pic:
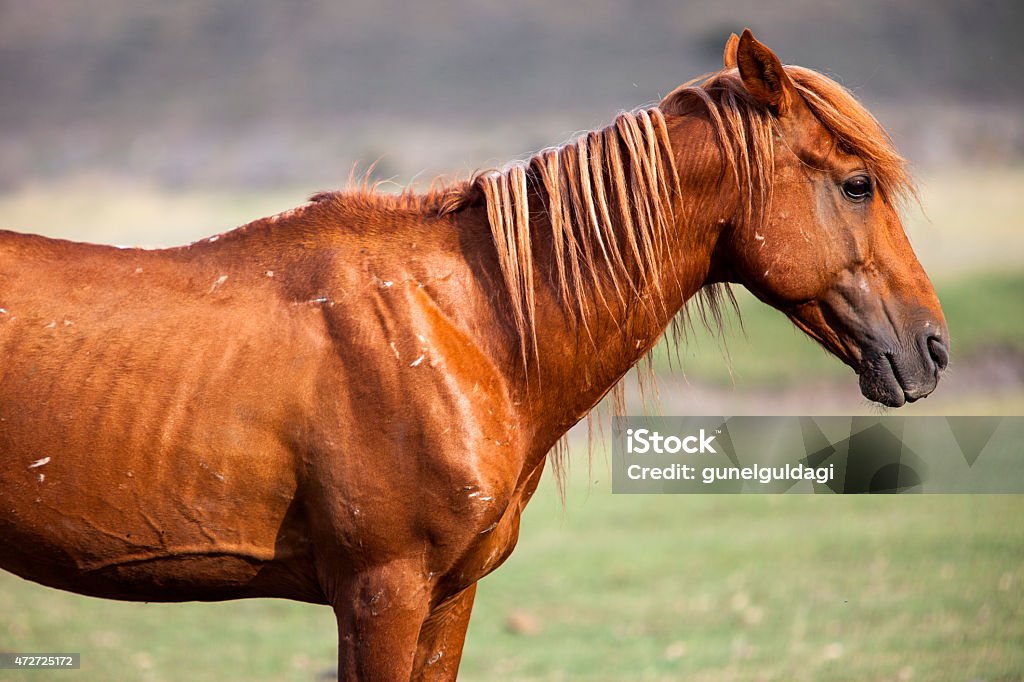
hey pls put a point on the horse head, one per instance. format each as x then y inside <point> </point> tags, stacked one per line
<point>813,227</point>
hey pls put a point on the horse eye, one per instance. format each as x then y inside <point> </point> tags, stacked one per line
<point>857,188</point>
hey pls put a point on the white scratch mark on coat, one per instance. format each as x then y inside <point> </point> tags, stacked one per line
<point>374,601</point>
<point>269,273</point>
<point>220,280</point>
<point>394,349</point>
<point>39,463</point>
<point>424,349</point>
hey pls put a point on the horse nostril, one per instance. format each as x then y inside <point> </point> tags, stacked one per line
<point>939,351</point>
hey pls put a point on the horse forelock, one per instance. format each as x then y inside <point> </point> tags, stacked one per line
<point>746,130</point>
<point>857,130</point>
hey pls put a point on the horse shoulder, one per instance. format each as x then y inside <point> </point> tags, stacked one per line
<point>419,408</point>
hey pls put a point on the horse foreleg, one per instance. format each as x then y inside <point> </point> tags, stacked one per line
<point>442,636</point>
<point>380,613</point>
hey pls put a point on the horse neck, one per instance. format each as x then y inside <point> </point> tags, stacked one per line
<point>584,347</point>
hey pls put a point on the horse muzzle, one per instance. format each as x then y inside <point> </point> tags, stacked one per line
<point>904,373</point>
<point>898,352</point>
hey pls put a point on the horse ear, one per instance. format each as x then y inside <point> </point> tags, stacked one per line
<point>729,58</point>
<point>763,75</point>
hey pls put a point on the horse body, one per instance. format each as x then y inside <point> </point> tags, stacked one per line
<point>245,417</point>
<point>280,352</point>
<point>351,403</point>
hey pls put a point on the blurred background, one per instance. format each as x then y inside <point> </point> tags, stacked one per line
<point>154,124</point>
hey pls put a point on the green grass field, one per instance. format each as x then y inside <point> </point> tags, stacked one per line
<point>757,588</point>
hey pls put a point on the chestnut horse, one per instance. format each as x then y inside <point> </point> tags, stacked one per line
<point>352,402</point>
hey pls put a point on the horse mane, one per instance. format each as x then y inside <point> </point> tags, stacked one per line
<point>622,175</point>
<point>442,197</point>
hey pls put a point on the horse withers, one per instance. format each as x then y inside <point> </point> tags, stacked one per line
<point>352,402</point>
